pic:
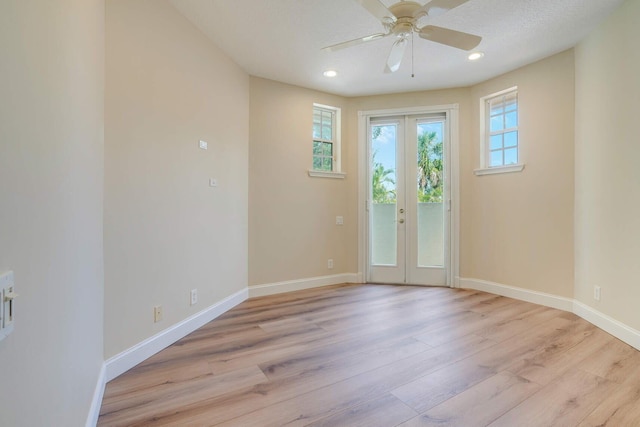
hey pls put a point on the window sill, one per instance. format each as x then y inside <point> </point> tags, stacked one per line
<point>324,174</point>
<point>501,169</point>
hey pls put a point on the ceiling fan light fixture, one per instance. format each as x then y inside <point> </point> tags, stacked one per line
<point>330,73</point>
<point>474,56</point>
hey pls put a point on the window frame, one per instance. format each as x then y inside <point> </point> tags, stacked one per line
<point>485,135</point>
<point>336,126</point>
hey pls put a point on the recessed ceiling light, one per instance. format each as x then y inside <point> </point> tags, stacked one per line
<point>475,56</point>
<point>330,73</point>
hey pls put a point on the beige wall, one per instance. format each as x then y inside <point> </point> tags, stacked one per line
<point>607,174</point>
<point>517,228</point>
<point>51,168</point>
<point>292,225</point>
<point>166,230</point>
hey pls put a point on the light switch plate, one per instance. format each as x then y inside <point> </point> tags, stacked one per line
<point>204,145</point>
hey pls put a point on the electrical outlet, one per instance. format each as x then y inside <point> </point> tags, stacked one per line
<point>596,293</point>
<point>330,264</point>
<point>194,296</point>
<point>157,313</point>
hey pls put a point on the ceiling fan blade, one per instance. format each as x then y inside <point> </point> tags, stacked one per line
<point>377,9</point>
<point>453,38</point>
<point>355,42</point>
<point>396,55</point>
<point>438,7</point>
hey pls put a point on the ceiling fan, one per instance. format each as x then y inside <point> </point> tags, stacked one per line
<point>401,19</point>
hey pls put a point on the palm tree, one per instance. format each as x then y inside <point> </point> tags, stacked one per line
<point>429,168</point>
<point>380,180</point>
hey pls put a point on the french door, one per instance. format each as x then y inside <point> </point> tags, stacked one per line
<point>408,201</point>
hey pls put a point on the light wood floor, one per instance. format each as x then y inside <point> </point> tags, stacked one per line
<point>378,355</point>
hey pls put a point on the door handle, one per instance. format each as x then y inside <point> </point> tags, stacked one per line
<point>401,220</point>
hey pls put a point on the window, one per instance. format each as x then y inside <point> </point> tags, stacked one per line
<point>499,134</point>
<point>326,142</point>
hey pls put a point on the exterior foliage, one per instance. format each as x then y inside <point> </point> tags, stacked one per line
<point>429,168</point>
<point>380,179</point>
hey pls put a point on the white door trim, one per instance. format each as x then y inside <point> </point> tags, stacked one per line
<point>363,218</point>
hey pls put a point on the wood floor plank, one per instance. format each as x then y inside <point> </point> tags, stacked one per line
<point>480,404</point>
<point>375,355</point>
<point>613,360</point>
<point>270,395</point>
<point>509,327</point>
<point>296,363</point>
<point>139,405</point>
<point>565,402</point>
<point>549,337</point>
<point>430,390</point>
<point>491,304</point>
<point>256,353</point>
<point>356,390</point>
<point>148,376</point>
<point>383,411</point>
<point>545,366</point>
<point>620,408</point>
<point>309,302</point>
<point>397,309</point>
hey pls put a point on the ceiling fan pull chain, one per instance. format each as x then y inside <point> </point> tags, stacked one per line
<point>412,74</point>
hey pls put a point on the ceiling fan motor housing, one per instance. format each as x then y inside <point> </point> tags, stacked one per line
<point>407,9</point>
<point>406,14</point>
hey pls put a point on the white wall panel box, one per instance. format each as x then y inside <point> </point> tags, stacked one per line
<point>7,303</point>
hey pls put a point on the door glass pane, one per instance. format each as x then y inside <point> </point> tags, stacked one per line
<point>430,195</point>
<point>383,194</point>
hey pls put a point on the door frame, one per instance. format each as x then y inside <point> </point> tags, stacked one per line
<point>452,113</point>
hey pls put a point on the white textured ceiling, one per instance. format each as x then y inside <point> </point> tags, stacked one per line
<point>282,40</point>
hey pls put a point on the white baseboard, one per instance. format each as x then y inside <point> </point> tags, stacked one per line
<point>298,285</point>
<point>618,329</point>
<point>96,401</point>
<point>126,360</point>
<point>548,300</point>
